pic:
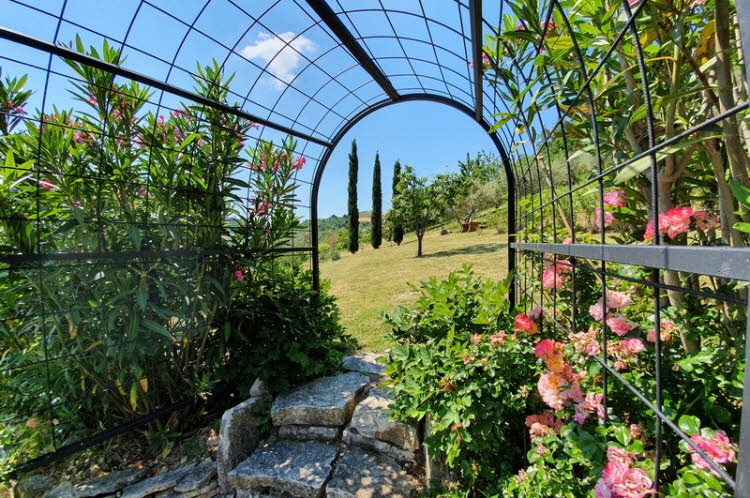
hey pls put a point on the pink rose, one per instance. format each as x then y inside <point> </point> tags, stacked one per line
<point>524,323</point>
<point>616,198</point>
<point>619,324</point>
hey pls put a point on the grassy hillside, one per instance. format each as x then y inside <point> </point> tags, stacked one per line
<point>371,281</point>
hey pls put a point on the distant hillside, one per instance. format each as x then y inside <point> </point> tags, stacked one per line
<point>335,222</point>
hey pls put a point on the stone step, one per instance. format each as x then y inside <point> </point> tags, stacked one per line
<point>284,469</point>
<point>361,474</point>
<point>365,363</point>
<point>328,401</point>
<point>372,428</point>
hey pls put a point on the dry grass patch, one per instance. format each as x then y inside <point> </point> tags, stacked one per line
<point>372,281</point>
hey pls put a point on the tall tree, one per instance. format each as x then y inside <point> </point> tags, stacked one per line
<point>353,209</point>
<point>417,204</point>
<point>398,229</point>
<point>376,229</point>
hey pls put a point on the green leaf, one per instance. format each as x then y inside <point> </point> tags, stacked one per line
<point>155,327</point>
<point>741,193</point>
<point>639,166</point>
<point>689,424</point>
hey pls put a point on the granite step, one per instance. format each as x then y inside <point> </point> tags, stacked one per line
<point>328,401</point>
<point>285,469</point>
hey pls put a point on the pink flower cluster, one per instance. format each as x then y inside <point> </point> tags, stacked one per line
<point>15,109</point>
<point>625,351</point>
<point>524,323</point>
<point>608,217</point>
<point>586,342</point>
<point>497,339</point>
<point>620,479</point>
<point>615,198</point>
<point>666,332</point>
<point>262,206</point>
<point>718,447</point>
<point>543,425</point>
<point>617,322</point>
<point>677,221</point>
<point>554,273</point>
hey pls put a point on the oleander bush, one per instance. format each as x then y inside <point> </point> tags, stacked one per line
<point>170,285</point>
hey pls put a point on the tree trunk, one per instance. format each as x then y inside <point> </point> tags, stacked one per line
<point>420,234</point>
<point>738,160</point>
<point>727,218</point>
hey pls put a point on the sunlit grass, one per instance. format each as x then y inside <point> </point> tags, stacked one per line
<point>372,281</point>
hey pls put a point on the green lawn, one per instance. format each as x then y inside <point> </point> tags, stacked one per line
<point>372,281</point>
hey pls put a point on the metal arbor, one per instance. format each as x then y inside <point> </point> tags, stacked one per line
<point>313,69</point>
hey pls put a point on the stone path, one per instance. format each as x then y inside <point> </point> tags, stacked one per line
<point>333,439</point>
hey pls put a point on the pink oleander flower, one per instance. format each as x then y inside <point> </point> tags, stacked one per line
<point>569,240</point>
<point>545,349</point>
<point>705,222</point>
<point>92,101</point>
<point>47,184</point>
<point>719,448</point>
<point>497,339</point>
<point>667,329</point>
<point>552,279</point>
<point>521,26</point>
<point>616,198</point>
<point>619,324</point>
<point>239,276</point>
<point>298,163</point>
<point>631,347</point>
<point>674,222</point>
<point>77,137</point>
<point>536,313</point>
<point>608,217</point>
<point>524,323</point>
<point>476,339</point>
<point>597,311</point>
<point>617,300</point>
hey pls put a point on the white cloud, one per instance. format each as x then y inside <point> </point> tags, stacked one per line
<point>282,54</point>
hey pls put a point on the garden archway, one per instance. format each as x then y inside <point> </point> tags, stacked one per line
<point>313,69</point>
<point>320,170</point>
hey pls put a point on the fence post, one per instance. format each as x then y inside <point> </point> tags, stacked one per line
<point>742,478</point>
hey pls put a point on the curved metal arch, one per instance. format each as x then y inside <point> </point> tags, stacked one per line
<point>413,97</point>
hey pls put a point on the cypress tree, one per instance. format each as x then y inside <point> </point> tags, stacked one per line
<point>353,209</point>
<point>376,233</point>
<point>398,230</point>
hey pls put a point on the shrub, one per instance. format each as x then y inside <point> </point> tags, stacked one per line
<point>457,359</point>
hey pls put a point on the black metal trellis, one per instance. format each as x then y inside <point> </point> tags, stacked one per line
<point>344,97</point>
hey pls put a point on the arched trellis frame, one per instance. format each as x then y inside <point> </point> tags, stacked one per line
<point>322,101</point>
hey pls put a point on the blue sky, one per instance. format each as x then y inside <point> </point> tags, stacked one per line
<point>431,137</point>
<point>281,58</point>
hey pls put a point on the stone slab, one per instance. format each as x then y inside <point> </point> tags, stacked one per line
<point>34,486</point>
<point>308,432</point>
<point>106,485</point>
<point>352,437</point>
<point>326,401</point>
<point>366,363</point>
<point>297,469</point>
<point>239,435</point>
<point>157,483</point>
<point>371,420</point>
<point>361,474</point>
<point>197,477</point>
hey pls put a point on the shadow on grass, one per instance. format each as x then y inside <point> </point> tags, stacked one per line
<point>477,249</point>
